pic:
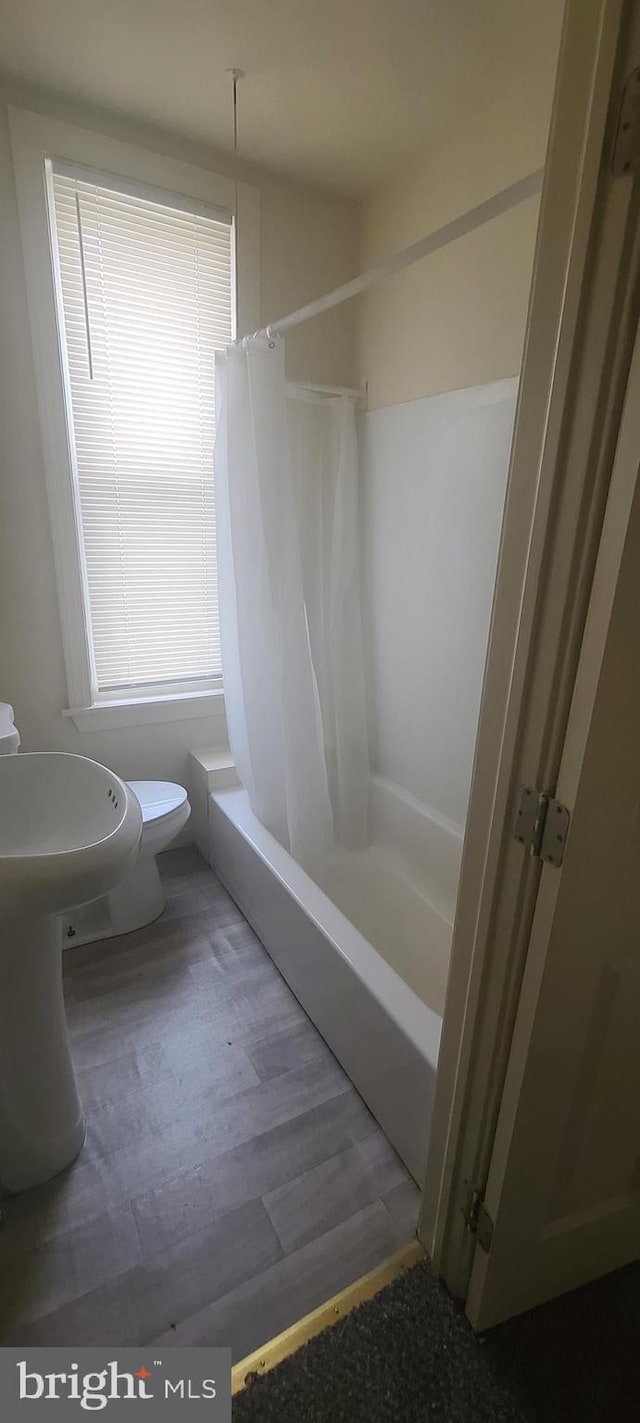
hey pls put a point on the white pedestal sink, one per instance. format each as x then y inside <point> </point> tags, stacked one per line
<point>69,831</point>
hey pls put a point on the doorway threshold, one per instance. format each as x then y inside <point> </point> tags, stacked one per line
<point>283,1345</point>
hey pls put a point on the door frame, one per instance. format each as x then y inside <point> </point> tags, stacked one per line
<point>580,332</point>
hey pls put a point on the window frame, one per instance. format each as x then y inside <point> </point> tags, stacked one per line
<point>37,142</point>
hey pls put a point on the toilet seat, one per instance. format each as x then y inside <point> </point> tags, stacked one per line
<point>165,809</point>
<point>158,798</point>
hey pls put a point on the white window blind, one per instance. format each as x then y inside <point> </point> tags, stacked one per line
<point>146,296</point>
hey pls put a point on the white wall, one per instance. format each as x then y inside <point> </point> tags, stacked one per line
<point>457,319</point>
<point>309,244</point>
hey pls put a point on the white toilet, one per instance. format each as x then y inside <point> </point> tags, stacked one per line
<point>139,898</point>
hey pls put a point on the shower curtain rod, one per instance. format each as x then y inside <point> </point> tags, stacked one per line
<point>501,202</point>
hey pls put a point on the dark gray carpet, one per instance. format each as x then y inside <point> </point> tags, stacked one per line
<point>409,1355</point>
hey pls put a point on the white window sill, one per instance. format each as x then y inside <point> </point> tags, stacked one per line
<point>141,711</point>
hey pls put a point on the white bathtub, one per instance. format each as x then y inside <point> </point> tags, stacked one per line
<point>367,953</point>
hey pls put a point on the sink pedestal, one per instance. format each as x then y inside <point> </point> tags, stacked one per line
<point>41,1122</point>
<point>69,832</point>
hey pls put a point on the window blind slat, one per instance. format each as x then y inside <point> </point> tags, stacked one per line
<point>158,289</point>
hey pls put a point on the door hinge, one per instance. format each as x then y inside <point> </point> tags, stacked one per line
<point>626,149</point>
<point>477,1218</point>
<point>541,824</point>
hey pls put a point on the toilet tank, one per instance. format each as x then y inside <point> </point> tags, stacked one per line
<point>9,734</point>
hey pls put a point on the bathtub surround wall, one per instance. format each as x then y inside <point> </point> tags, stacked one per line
<point>433,492</point>
<point>308,245</point>
<point>422,846</point>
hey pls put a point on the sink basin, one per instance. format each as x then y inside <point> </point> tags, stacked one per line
<point>69,832</point>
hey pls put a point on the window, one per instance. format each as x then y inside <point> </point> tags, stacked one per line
<point>130,267</point>
<point>145,299</point>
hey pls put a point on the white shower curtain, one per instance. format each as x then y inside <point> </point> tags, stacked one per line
<point>292,650</point>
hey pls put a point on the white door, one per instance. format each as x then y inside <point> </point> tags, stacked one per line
<point>563,1190</point>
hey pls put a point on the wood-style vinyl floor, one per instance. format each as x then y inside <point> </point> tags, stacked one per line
<point>232,1179</point>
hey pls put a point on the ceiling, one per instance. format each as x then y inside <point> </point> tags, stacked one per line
<point>337,92</point>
